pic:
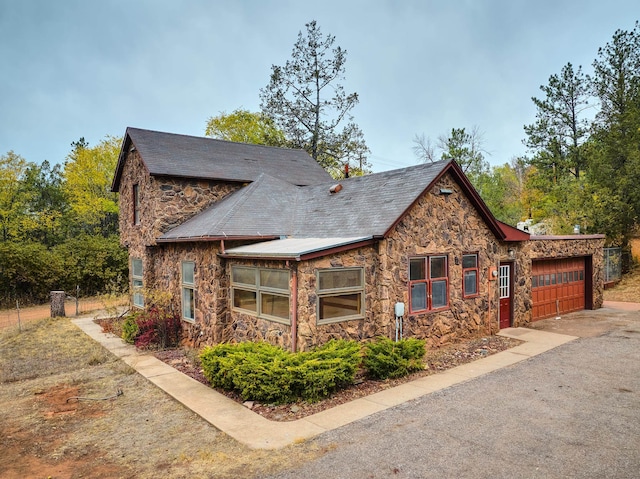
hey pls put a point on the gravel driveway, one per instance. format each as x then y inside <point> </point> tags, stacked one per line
<point>573,412</point>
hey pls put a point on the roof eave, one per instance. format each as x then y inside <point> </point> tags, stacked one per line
<point>197,239</point>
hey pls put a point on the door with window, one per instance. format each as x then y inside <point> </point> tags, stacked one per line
<point>505,286</point>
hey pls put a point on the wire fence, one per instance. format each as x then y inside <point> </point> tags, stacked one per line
<point>612,264</point>
<point>73,306</point>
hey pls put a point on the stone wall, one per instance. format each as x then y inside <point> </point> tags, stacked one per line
<point>211,287</point>
<point>442,225</point>
<point>164,202</point>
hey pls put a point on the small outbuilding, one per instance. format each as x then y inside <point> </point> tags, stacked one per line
<point>260,243</point>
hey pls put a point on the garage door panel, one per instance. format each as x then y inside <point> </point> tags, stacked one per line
<point>559,287</point>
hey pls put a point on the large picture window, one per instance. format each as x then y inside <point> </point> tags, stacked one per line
<point>470,275</point>
<point>428,283</point>
<point>340,294</point>
<point>138,284</point>
<point>188,291</point>
<point>261,292</point>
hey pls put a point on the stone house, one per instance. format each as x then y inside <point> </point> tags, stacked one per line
<point>260,243</point>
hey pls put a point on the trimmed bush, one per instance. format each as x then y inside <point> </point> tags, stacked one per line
<point>266,373</point>
<point>385,358</point>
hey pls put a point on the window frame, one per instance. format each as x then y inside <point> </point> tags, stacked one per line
<point>185,287</point>
<point>428,280</point>
<point>260,291</point>
<point>341,291</point>
<point>465,271</point>
<point>136,204</point>
<point>137,289</point>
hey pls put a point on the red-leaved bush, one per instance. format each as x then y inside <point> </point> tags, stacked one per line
<point>158,328</point>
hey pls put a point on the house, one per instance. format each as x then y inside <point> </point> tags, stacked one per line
<point>260,243</point>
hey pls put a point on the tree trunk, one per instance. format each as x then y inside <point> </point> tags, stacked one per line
<point>57,303</point>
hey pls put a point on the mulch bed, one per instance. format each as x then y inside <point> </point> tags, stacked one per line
<point>436,360</point>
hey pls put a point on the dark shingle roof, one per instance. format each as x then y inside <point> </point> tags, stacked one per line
<point>366,206</point>
<point>169,154</point>
<point>261,209</point>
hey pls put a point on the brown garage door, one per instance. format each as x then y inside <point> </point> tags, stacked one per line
<point>557,286</point>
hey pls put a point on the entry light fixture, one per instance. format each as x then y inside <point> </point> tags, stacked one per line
<point>512,253</point>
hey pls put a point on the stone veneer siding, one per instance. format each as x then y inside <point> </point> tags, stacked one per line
<point>164,203</point>
<point>441,225</point>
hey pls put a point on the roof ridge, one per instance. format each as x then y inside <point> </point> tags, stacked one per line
<point>208,138</point>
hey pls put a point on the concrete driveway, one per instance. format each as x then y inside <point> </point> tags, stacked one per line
<point>572,412</point>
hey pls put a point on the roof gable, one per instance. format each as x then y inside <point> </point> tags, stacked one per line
<point>169,154</point>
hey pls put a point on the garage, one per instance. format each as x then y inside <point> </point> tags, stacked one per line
<point>558,286</point>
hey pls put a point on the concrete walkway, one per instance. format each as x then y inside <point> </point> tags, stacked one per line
<point>258,432</point>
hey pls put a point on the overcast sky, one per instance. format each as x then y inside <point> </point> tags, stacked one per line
<point>90,68</point>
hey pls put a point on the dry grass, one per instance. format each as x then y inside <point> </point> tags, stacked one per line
<point>628,289</point>
<point>143,433</point>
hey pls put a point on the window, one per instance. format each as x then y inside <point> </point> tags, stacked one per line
<point>136,274</point>
<point>340,294</point>
<point>428,283</point>
<point>261,292</point>
<point>136,204</point>
<point>470,274</point>
<point>188,291</point>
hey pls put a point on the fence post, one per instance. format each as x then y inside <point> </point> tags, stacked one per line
<point>18,308</point>
<point>77,296</point>
<point>57,303</point>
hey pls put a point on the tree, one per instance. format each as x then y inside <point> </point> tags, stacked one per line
<point>614,173</point>
<point>14,199</point>
<point>244,126</point>
<point>466,148</point>
<point>87,184</point>
<point>560,129</point>
<point>307,102</point>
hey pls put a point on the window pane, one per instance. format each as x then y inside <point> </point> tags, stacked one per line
<point>547,280</point>
<point>333,307</point>
<point>581,275</point>
<point>274,305</point>
<point>244,299</point>
<point>187,272</point>
<point>438,267</point>
<point>136,266</point>
<point>275,278</point>
<point>565,278</point>
<point>417,269</point>
<point>188,303</point>
<point>470,282</point>
<point>243,275</point>
<point>418,296</point>
<point>339,279</point>
<point>438,294</point>
<point>534,282</point>
<point>470,261</point>
<point>138,300</point>
<point>553,278</point>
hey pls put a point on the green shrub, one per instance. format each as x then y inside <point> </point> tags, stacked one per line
<point>385,358</point>
<point>267,373</point>
<point>130,329</point>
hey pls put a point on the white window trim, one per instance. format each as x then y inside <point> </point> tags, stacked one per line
<point>137,291</point>
<point>192,287</point>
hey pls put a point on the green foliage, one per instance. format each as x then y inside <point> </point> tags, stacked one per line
<point>244,126</point>
<point>130,329</point>
<point>385,358</point>
<point>307,102</point>
<point>267,373</point>
<point>87,183</point>
<point>58,227</point>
